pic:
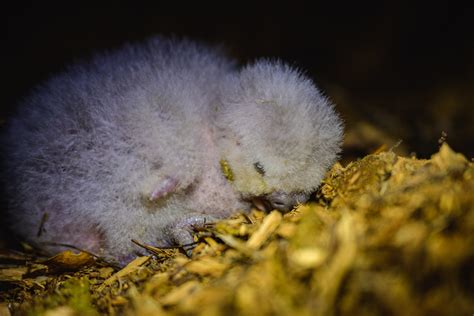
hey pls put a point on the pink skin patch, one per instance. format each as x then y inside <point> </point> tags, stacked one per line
<point>165,187</point>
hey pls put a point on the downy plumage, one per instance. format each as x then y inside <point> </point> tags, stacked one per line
<point>147,141</point>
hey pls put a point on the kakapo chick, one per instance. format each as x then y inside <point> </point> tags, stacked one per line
<point>151,140</point>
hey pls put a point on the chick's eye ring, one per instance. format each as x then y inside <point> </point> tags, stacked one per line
<point>258,166</point>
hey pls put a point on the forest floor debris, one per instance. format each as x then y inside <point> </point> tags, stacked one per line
<point>383,235</point>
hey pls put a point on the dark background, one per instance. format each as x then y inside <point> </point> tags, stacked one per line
<point>402,71</point>
<point>407,70</point>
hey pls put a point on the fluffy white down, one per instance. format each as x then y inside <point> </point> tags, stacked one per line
<point>91,145</point>
<point>273,115</point>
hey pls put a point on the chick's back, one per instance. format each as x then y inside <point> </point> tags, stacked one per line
<point>89,147</point>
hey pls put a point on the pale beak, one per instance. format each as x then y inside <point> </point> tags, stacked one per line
<point>281,201</point>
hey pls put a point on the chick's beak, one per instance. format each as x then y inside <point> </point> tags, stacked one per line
<point>281,201</point>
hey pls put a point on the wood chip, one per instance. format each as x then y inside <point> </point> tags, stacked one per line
<point>4,310</point>
<point>61,311</point>
<point>180,293</point>
<point>206,266</point>
<point>269,225</point>
<point>309,257</point>
<point>131,267</point>
<point>68,261</point>
<point>12,274</point>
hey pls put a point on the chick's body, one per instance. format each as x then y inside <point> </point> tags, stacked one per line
<point>130,146</point>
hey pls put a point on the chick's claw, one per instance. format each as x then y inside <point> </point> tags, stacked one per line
<point>181,231</point>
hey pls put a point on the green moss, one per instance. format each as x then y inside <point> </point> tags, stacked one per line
<point>73,293</point>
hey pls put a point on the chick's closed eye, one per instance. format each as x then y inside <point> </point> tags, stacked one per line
<point>259,167</point>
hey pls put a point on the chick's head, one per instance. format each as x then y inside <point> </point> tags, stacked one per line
<point>277,134</point>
